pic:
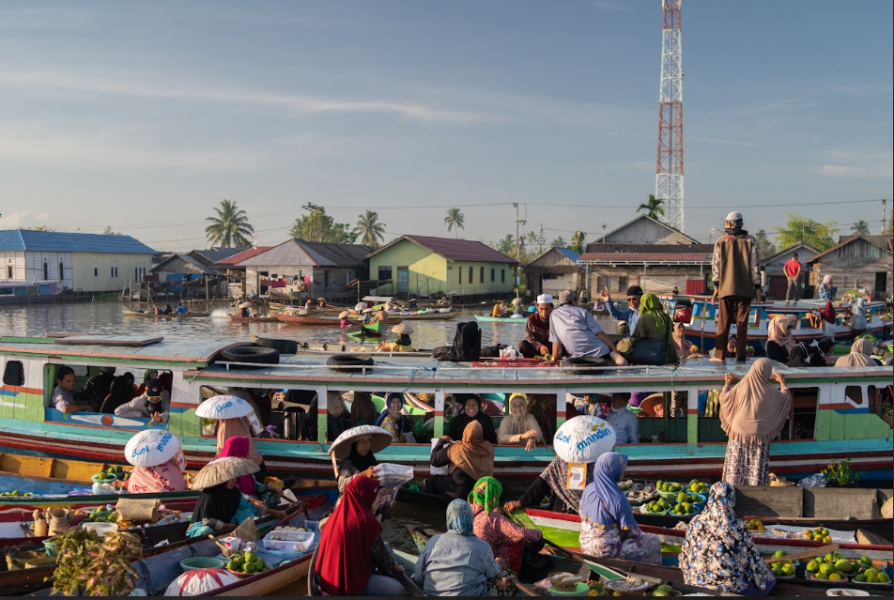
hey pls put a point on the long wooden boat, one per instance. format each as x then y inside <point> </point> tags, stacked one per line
<point>564,529</point>
<point>838,426</point>
<point>516,320</point>
<point>410,588</point>
<point>424,316</point>
<point>17,509</point>
<point>151,315</point>
<point>308,319</point>
<point>250,320</point>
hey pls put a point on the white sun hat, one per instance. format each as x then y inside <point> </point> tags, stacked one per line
<point>583,439</point>
<point>151,448</point>
<point>224,407</point>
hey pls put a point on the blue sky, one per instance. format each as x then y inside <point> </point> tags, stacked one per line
<point>143,116</point>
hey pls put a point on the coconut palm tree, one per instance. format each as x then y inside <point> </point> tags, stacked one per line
<point>230,228</point>
<point>506,245</point>
<point>559,242</point>
<point>861,227</point>
<point>369,230</point>
<point>577,241</point>
<point>454,221</point>
<point>653,208</point>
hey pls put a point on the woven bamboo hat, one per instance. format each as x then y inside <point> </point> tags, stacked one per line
<point>344,314</point>
<point>244,305</point>
<point>341,447</point>
<point>221,471</point>
<point>403,329</point>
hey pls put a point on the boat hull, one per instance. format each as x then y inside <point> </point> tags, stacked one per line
<point>250,320</point>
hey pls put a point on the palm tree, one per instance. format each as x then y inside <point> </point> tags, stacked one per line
<point>653,208</point>
<point>559,242</point>
<point>454,221</point>
<point>577,241</point>
<point>230,228</point>
<point>861,227</point>
<point>506,245</point>
<point>369,230</point>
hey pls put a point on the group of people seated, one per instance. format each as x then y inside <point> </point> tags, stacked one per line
<point>109,394</point>
<point>167,309</point>
<point>571,331</point>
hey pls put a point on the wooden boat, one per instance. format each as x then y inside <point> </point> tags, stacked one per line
<point>564,529</point>
<point>516,320</point>
<point>425,316</point>
<point>151,315</point>
<point>366,330</point>
<point>250,320</point>
<point>30,292</point>
<point>410,588</point>
<point>836,425</point>
<point>18,509</point>
<point>308,319</point>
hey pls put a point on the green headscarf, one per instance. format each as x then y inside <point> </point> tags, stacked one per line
<point>650,304</point>
<point>486,493</point>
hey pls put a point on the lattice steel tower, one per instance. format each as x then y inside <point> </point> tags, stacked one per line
<point>669,178</point>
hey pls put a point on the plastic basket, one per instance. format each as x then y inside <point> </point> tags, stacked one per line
<point>289,541</point>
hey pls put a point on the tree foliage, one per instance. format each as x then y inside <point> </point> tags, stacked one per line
<point>654,207</point>
<point>861,227</point>
<point>765,247</point>
<point>506,245</point>
<point>578,242</point>
<point>802,229</point>
<point>369,230</point>
<point>320,227</point>
<point>108,231</point>
<point>230,227</point>
<point>455,220</point>
<point>559,242</point>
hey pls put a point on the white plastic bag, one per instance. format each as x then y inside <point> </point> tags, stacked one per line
<point>391,475</point>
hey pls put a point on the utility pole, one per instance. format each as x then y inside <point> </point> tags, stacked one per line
<point>884,216</point>
<point>541,238</point>
<point>603,233</point>
<point>518,224</point>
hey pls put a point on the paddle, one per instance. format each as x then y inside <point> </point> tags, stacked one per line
<point>808,553</point>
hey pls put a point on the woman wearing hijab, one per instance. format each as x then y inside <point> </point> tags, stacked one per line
<point>543,408</point>
<point>552,484</point>
<point>338,419</point>
<point>239,427</point>
<point>829,321</point>
<point>392,417</point>
<point>220,504</point>
<point>238,447</point>
<point>860,355</point>
<point>859,321</point>
<point>607,526</point>
<point>719,554</point>
<point>363,411</point>
<point>471,404</point>
<point>351,547</point>
<point>456,563</point>
<point>780,342</point>
<point>506,539</point>
<point>360,463</point>
<point>826,290</point>
<point>467,460</point>
<point>166,477</point>
<point>518,427</point>
<point>654,323</point>
<point>752,414</point>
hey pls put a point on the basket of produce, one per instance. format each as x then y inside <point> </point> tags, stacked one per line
<point>697,487</point>
<point>669,490</point>
<point>868,573</point>
<point>755,526</point>
<point>567,584</point>
<point>683,509</point>
<point>785,569</point>
<point>818,534</point>
<point>246,564</point>
<point>831,567</point>
<point>105,477</point>
<point>622,587</point>
<point>656,507</point>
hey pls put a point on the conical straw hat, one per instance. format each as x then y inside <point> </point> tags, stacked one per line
<point>403,329</point>
<point>341,447</point>
<point>344,314</point>
<point>221,471</point>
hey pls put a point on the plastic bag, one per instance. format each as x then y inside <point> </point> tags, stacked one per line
<point>818,480</point>
<point>509,352</point>
<point>390,475</point>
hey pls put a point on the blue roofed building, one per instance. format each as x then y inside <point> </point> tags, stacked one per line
<point>84,262</point>
<point>553,271</point>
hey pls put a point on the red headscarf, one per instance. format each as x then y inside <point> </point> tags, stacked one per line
<point>237,447</point>
<point>344,560</point>
<point>828,313</point>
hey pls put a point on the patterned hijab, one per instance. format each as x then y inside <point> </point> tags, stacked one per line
<point>718,552</point>
<point>860,356</point>
<point>651,305</point>
<point>486,493</point>
<point>459,517</point>
<point>556,475</point>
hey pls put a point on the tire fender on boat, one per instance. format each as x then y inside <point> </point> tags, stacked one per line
<point>346,363</point>
<point>281,346</point>
<point>251,353</point>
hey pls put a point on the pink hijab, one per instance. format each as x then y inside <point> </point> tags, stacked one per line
<point>777,330</point>
<point>753,411</point>
<point>237,447</point>
<point>228,428</point>
<point>150,480</point>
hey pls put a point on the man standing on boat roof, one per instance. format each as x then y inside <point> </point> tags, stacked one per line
<point>736,282</point>
<point>536,342</point>
<point>630,315</point>
<point>576,331</point>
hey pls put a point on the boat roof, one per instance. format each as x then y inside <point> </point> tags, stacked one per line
<point>196,353</point>
<point>418,372</point>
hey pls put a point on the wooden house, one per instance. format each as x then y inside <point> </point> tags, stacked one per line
<point>863,262</point>
<point>773,265</point>
<point>553,271</point>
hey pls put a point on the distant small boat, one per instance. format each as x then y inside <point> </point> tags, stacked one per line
<point>238,319</point>
<point>482,319</point>
<point>151,315</point>
<point>298,319</point>
<point>426,316</point>
<point>29,292</point>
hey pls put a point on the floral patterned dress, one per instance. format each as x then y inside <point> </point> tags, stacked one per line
<point>506,538</point>
<point>612,542</point>
<point>718,552</point>
<point>747,464</point>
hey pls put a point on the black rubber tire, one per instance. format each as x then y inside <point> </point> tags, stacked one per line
<point>569,365</point>
<point>348,363</point>
<point>281,346</point>
<point>258,355</point>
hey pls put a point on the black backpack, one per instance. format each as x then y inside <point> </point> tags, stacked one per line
<point>466,344</point>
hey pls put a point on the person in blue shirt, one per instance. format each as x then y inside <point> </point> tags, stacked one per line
<point>180,310</point>
<point>630,315</point>
<point>623,421</point>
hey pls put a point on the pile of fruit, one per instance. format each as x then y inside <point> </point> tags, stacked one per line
<point>246,563</point>
<point>818,535</point>
<point>669,487</point>
<point>656,506</point>
<point>102,514</point>
<point>683,509</point>
<point>784,568</point>
<point>664,590</point>
<point>106,476</point>
<point>754,525</point>
<point>697,487</point>
<point>834,567</point>
<point>16,494</point>
<point>690,498</point>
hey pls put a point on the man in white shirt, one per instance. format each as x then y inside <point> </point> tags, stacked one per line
<point>623,421</point>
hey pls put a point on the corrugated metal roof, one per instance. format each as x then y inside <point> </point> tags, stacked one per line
<point>299,253</point>
<point>216,255</point>
<point>645,257</point>
<point>19,240</point>
<point>456,250</point>
<point>880,241</point>
<point>244,255</point>
<point>568,253</point>
<point>649,248</point>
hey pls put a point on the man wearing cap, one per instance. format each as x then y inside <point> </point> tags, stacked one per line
<point>630,315</point>
<point>576,331</point>
<point>154,404</point>
<point>736,282</point>
<point>536,342</point>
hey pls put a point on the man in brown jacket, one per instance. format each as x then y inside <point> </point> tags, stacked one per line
<point>736,281</point>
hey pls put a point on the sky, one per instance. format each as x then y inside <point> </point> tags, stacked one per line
<point>144,116</point>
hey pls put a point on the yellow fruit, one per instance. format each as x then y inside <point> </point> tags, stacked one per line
<point>844,566</point>
<point>826,568</point>
<point>871,579</point>
<point>617,594</point>
<point>883,578</point>
<point>871,572</point>
<point>813,566</point>
<point>835,577</point>
<point>827,540</point>
<point>789,570</point>
<point>821,576</point>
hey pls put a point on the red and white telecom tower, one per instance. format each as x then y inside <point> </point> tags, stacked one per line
<point>669,178</point>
